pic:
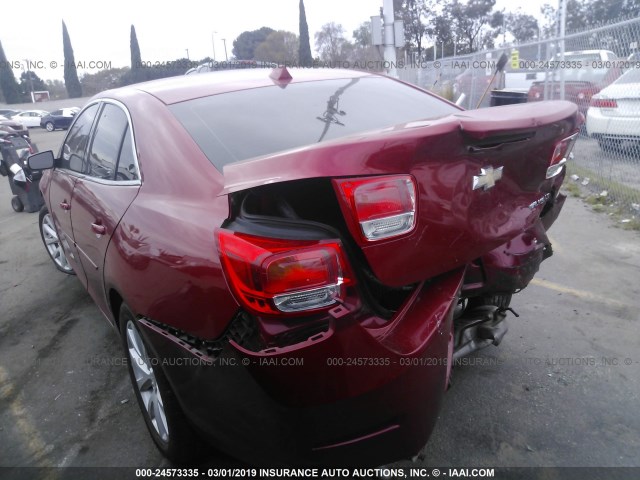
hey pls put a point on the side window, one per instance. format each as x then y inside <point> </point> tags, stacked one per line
<point>107,142</point>
<point>126,162</point>
<point>75,146</point>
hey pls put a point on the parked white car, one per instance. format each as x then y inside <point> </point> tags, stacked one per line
<point>613,117</point>
<point>30,118</point>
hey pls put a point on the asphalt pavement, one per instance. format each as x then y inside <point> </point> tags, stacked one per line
<point>562,389</point>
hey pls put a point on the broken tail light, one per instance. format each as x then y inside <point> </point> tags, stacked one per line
<point>560,154</point>
<point>383,207</point>
<point>272,276</point>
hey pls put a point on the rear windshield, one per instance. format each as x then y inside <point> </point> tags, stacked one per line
<point>236,126</point>
<point>632,76</point>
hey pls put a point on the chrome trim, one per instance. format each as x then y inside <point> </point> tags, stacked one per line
<point>554,170</point>
<point>124,108</point>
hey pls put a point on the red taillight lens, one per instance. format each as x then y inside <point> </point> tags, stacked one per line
<point>270,276</point>
<point>603,103</point>
<point>535,93</point>
<point>560,154</point>
<point>384,207</point>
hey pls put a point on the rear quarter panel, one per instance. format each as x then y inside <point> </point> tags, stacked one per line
<point>162,259</point>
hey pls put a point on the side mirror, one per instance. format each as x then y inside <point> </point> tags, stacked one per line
<point>41,161</point>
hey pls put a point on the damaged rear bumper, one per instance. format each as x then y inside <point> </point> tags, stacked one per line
<point>349,396</point>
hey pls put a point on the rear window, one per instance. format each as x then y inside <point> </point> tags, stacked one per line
<point>632,76</point>
<point>236,126</point>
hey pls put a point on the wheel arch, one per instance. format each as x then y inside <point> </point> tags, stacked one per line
<point>115,302</point>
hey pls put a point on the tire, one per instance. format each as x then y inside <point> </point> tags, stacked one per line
<point>16,204</point>
<point>49,126</point>
<point>160,409</point>
<point>52,244</point>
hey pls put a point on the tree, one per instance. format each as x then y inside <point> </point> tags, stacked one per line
<point>524,28</point>
<point>137,73</point>
<point>70,73</point>
<point>363,51</point>
<point>443,34</point>
<point>281,47</point>
<point>414,15</point>
<point>331,44</point>
<point>588,13</point>
<point>56,90</point>
<point>468,20</point>
<point>8,84</point>
<point>93,83</point>
<point>578,17</point>
<point>245,45</point>
<point>30,82</point>
<point>304,51</point>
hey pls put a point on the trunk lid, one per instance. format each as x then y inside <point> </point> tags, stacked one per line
<point>455,223</point>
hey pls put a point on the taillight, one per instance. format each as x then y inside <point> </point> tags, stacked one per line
<point>383,207</point>
<point>560,154</point>
<point>535,93</point>
<point>597,102</point>
<point>270,276</point>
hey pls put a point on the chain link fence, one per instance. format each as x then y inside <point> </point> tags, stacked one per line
<point>599,71</point>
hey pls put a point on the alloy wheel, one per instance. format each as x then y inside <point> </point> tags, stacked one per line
<point>146,382</point>
<point>52,242</point>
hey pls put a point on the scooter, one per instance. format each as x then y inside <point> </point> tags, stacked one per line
<point>24,183</point>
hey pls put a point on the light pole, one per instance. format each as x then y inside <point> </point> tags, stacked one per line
<point>226,57</point>
<point>213,44</point>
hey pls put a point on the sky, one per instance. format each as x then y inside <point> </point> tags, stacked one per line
<point>165,30</point>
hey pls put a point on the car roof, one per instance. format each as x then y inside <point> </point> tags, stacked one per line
<point>182,88</point>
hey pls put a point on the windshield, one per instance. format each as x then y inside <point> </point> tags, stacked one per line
<point>236,126</point>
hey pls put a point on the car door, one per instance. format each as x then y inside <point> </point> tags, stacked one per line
<point>53,117</point>
<point>32,119</point>
<point>65,119</point>
<point>69,167</point>
<point>104,193</point>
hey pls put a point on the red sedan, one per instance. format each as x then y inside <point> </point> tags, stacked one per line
<point>293,259</point>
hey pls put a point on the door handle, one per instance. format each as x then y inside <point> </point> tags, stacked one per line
<point>64,205</point>
<point>98,229</point>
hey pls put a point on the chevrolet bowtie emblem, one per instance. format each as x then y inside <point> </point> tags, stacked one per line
<point>487,178</point>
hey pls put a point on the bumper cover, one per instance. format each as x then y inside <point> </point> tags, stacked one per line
<point>350,396</point>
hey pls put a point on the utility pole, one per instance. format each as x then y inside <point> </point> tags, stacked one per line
<point>213,44</point>
<point>187,50</point>
<point>563,22</point>
<point>226,57</point>
<point>389,37</point>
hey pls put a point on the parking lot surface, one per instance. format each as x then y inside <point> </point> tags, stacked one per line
<point>562,389</point>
